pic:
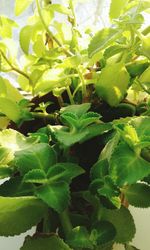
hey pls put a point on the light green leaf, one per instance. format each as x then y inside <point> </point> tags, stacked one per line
<point>141,124</point>
<point>55,195</point>
<point>11,92</point>
<point>78,110</point>
<point>21,6</point>
<point>6,155</point>
<point>19,214</point>
<point>102,39</point>
<point>79,238</point>
<point>138,195</point>
<point>10,108</point>
<point>126,167</point>
<point>123,223</point>
<point>6,26</point>
<point>42,156</point>
<point>44,243</point>
<point>25,37</point>
<point>113,83</point>
<point>116,8</point>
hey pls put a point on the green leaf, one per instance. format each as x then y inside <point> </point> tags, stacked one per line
<point>79,238</point>
<point>100,169</point>
<point>102,39</point>
<point>55,195</point>
<point>113,83</point>
<point>42,156</point>
<point>44,243</point>
<point>60,8</point>
<point>126,167</point>
<point>19,214</point>
<point>10,91</point>
<point>15,187</point>
<point>25,37</point>
<point>10,108</point>
<point>6,26</point>
<point>104,232</point>
<point>141,124</point>
<point>5,171</point>
<point>14,141</point>
<point>21,6</point>
<point>116,8</point>
<point>6,156</point>
<point>35,176</point>
<point>123,223</point>
<point>64,172</point>
<point>129,247</point>
<point>138,195</point>
<point>78,110</point>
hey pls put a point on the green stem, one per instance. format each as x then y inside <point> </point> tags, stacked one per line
<point>44,116</point>
<point>65,222</point>
<point>83,83</point>
<point>68,53</point>
<point>74,24</point>
<point>70,95</point>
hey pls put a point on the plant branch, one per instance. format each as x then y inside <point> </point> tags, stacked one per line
<point>67,52</point>
<point>65,222</point>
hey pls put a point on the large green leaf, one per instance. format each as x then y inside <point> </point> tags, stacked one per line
<point>102,39</point>
<point>116,8</point>
<point>123,223</point>
<point>42,156</point>
<point>138,194</point>
<point>79,238</point>
<point>20,6</point>
<point>126,167</point>
<point>10,108</point>
<point>112,83</point>
<point>19,214</point>
<point>55,195</point>
<point>44,243</point>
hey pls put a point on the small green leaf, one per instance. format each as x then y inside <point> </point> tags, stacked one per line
<point>126,167</point>
<point>79,238</point>
<point>21,6</point>
<point>35,176</point>
<point>102,39</point>
<point>42,156</point>
<point>116,8</point>
<point>100,169</point>
<point>104,232</point>
<point>10,108</point>
<point>60,8</point>
<point>138,195</point>
<point>44,243</point>
<point>123,223</point>
<point>19,214</point>
<point>78,110</point>
<point>55,195</point>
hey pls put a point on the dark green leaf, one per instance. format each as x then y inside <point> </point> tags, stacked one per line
<point>35,176</point>
<point>123,223</point>
<point>138,195</point>
<point>79,238</point>
<point>44,243</point>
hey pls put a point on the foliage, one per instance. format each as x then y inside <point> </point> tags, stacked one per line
<point>77,152</point>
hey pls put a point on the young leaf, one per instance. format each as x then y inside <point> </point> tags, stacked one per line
<point>10,108</point>
<point>55,195</point>
<point>20,6</point>
<point>25,37</point>
<point>44,243</point>
<point>116,8</point>
<point>126,167</point>
<point>104,232</point>
<point>123,223</point>
<point>102,39</point>
<point>138,195</point>
<point>79,238</point>
<point>113,83</point>
<point>40,157</point>
<point>19,214</point>
<point>78,110</point>
<point>35,176</point>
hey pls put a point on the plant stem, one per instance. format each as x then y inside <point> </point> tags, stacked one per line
<point>67,52</point>
<point>83,83</point>
<point>74,24</point>
<point>44,116</point>
<point>65,222</point>
<point>14,68</point>
<point>70,95</point>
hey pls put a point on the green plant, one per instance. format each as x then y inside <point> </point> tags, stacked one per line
<point>78,153</point>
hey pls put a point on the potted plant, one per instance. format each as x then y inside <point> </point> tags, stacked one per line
<point>77,153</point>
